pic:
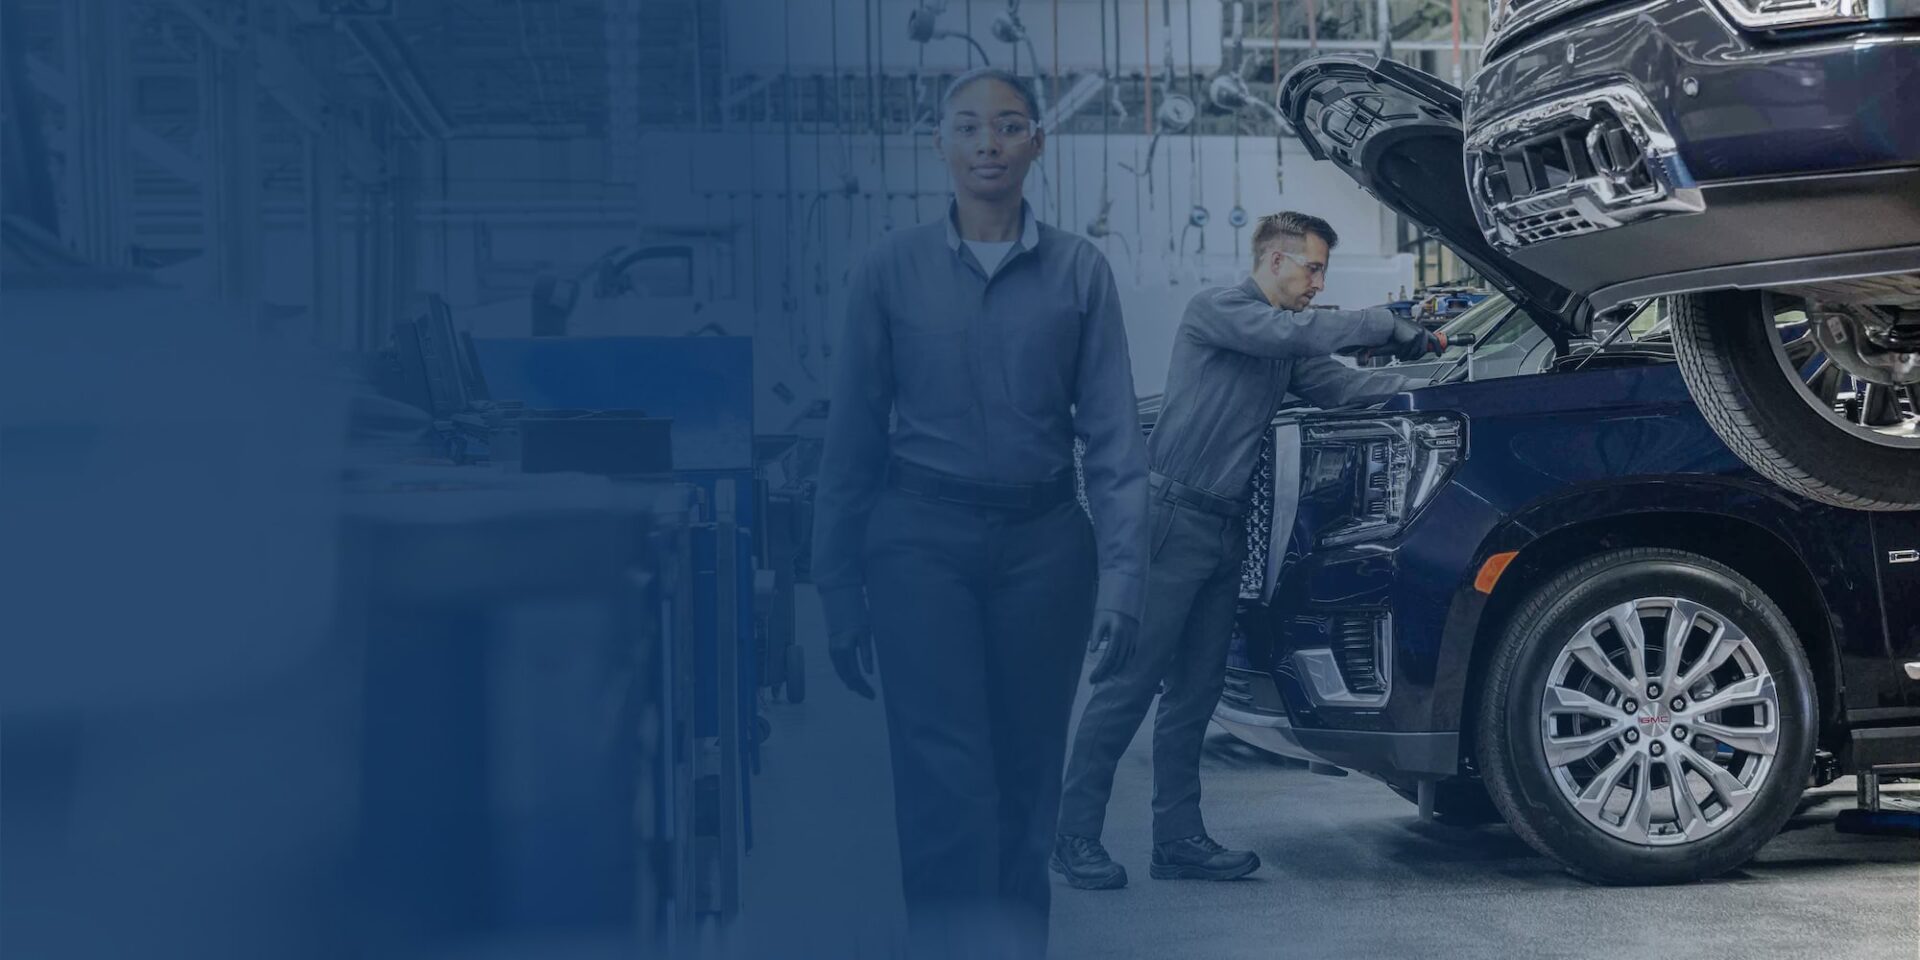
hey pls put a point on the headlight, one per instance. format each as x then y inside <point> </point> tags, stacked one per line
<point>1771,14</point>
<point>1367,477</point>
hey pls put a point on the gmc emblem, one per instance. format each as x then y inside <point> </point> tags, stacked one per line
<point>1655,719</point>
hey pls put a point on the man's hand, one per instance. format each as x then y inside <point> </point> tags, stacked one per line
<point>1116,632</point>
<point>852,654</point>
<point>1411,341</point>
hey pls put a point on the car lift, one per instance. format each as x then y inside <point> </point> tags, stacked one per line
<point>1877,755</point>
<point>1891,816</point>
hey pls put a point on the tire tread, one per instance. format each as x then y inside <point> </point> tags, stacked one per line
<point>1728,407</point>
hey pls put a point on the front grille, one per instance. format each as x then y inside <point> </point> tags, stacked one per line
<point>1356,649</point>
<point>1253,570</point>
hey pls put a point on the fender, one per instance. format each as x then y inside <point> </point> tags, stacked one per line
<point>1820,538</point>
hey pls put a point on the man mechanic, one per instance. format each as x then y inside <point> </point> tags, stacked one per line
<point>1239,351</point>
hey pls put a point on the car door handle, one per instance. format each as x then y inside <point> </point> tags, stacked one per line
<point>1913,670</point>
<point>1903,556</point>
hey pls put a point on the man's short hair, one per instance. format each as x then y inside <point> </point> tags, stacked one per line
<point>978,74</point>
<point>1276,227</point>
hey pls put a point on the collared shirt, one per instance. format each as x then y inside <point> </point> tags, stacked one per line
<point>1235,358</point>
<point>988,378</point>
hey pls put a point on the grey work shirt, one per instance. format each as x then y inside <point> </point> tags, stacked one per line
<point>988,378</point>
<point>1235,358</point>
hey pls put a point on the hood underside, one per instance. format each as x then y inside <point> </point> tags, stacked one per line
<point>1397,132</point>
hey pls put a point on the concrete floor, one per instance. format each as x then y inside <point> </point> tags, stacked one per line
<point>1349,870</point>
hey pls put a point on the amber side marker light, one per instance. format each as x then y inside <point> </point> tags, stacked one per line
<point>1491,570</point>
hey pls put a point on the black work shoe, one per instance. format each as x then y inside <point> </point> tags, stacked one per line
<point>1199,858</point>
<point>1085,864</point>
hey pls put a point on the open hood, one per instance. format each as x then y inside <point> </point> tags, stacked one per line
<point>1397,132</point>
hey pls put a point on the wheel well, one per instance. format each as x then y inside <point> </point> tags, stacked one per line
<point>1750,550</point>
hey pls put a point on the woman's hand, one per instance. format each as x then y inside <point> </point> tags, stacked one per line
<point>1116,632</point>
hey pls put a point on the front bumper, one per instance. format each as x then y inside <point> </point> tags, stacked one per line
<point>1358,659</point>
<point>1657,139</point>
<point>1254,711</point>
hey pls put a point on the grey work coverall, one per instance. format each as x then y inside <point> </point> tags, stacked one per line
<point>1235,358</point>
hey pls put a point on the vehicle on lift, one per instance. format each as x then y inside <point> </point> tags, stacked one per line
<point>1753,159</point>
<point>1544,588</point>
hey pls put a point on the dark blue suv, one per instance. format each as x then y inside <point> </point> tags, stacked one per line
<point>1544,581</point>
<point>1756,160</point>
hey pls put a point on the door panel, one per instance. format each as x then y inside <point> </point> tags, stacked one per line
<point>1896,540</point>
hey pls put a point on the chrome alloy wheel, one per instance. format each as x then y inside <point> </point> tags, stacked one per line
<point>1660,721</point>
<point>1829,353</point>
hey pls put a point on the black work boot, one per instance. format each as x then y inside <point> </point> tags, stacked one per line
<point>1199,858</point>
<point>1085,864</point>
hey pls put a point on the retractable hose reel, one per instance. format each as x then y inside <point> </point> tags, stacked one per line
<point>1229,92</point>
<point>923,26</point>
<point>1173,115</point>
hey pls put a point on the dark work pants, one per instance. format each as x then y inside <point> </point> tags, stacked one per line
<point>980,621</point>
<point>1193,583</point>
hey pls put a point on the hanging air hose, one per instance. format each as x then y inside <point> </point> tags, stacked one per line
<point>1166,20</point>
<point>817,222</point>
<point>1146,61</point>
<point>1139,210</point>
<point>923,27</point>
<point>1101,226</point>
<point>1230,91</point>
<point>819,204</point>
<point>933,112</point>
<point>848,182</point>
<point>1279,149</point>
<point>789,299</point>
<point>1454,19</point>
<point>1098,227</point>
<point>849,186</point>
<point>1013,12</point>
<point>733,259</point>
<point>1059,176</point>
<point>753,205</point>
<point>880,131</point>
<point>1199,215</point>
<point>713,272</point>
<point>1008,29</point>
<point>1237,217</point>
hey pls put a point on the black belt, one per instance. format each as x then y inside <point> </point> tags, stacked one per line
<point>935,485</point>
<point>1207,501</point>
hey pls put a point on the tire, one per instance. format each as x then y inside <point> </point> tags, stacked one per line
<point>1538,640</point>
<point>1726,347</point>
<point>796,673</point>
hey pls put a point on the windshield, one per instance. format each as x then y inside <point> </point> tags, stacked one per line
<point>1499,346</point>
<point>1479,318</point>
